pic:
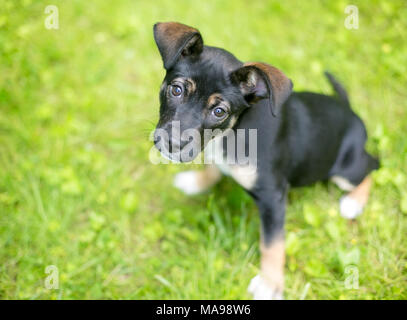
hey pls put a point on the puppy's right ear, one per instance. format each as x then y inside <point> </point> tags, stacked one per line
<point>175,40</point>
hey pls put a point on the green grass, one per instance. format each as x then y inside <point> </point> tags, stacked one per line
<point>77,189</point>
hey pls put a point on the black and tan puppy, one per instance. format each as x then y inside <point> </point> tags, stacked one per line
<point>302,137</point>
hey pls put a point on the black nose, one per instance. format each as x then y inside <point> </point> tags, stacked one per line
<point>163,143</point>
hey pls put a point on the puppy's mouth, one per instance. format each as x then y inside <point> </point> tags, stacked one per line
<point>174,157</point>
<point>177,154</point>
<point>181,146</point>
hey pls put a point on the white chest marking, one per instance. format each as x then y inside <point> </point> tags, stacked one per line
<point>245,175</point>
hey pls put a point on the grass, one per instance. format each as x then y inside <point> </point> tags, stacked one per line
<point>77,189</point>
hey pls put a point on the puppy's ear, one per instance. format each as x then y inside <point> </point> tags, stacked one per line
<point>258,81</point>
<point>175,40</point>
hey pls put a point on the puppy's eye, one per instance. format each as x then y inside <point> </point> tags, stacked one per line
<point>176,91</point>
<point>219,112</point>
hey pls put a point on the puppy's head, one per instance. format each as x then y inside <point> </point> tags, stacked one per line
<point>204,89</point>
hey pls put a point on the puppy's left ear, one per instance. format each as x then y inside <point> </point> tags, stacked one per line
<point>175,40</point>
<point>257,80</point>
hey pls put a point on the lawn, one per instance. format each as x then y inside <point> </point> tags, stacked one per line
<point>77,189</point>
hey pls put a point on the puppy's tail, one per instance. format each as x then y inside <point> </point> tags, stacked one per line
<point>339,89</point>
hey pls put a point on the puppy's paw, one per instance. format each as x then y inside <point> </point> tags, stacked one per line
<point>350,208</point>
<point>189,182</point>
<point>261,290</point>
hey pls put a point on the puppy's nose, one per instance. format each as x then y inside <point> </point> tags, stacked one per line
<point>157,137</point>
<point>163,143</point>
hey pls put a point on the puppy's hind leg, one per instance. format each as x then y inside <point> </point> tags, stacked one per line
<point>351,172</point>
<point>353,203</point>
<point>195,182</point>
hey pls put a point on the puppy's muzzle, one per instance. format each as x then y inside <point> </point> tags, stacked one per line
<point>176,148</point>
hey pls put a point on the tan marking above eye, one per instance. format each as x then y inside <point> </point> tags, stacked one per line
<point>191,85</point>
<point>214,99</point>
<point>188,83</point>
<point>182,80</point>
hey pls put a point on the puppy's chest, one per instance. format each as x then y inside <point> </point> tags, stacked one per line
<point>244,174</point>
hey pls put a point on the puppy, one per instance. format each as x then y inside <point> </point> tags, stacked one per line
<point>301,137</point>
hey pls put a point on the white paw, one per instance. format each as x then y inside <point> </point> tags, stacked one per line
<point>262,290</point>
<point>188,182</point>
<point>350,208</point>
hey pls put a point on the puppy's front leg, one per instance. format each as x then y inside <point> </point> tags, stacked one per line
<point>194,182</point>
<point>269,284</point>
